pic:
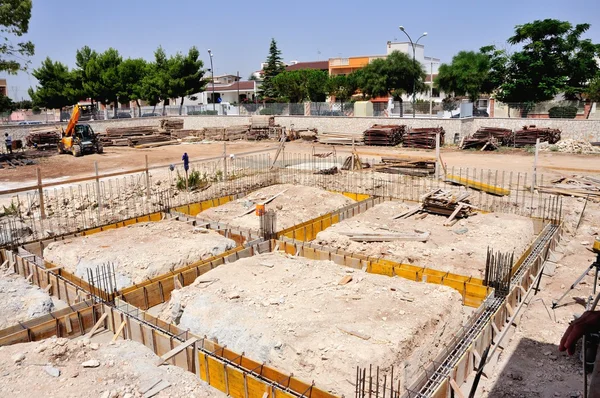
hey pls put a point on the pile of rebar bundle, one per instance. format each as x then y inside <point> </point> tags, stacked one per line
<point>423,137</point>
<point>447,203</point>
<point>384,135</point>
<point>528,135</point>
<point>42,139</point>
<point>487,138</point>
<point>409,166</point>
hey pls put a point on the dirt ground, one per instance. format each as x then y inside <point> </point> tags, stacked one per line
<point>138,252</point>
<point>459,249</point>
<point>21,301</point>
<point>124,370</point>
<point>531,365</point>
<point>294,206</point>
<point>116,159</point>
<point>292,313</point>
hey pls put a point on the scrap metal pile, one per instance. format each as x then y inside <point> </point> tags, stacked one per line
<point>384,135</point>
<point>487,138</point>
<point>423,137</point>
<point>528,135</point>
<point>421,167</point>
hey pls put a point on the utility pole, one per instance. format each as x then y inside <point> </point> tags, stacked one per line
<point>414,99</point>
<point>212,73</point>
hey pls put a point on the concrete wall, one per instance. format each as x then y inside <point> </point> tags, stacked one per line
<point>588,130</point>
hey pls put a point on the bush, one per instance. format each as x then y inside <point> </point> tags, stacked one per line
<point>203,113</point>
<point>195,180</point>
<point>563,112</point>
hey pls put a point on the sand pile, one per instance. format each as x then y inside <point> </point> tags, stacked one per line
<point>21,301</point>
<point>461,248</point>
<point>292,313</point>
<point>124,369</point>
<point>296,205</point>
<point>139,251</point>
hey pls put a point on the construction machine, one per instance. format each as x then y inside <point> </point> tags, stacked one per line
<point>79,138</point>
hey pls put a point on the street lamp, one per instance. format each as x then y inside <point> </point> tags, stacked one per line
<point>212,73</point>
<point>414,63</point>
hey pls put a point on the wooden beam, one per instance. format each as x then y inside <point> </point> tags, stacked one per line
<point>119,329</point>
<point>454,213</point>
<point>456,388</point>
<point>409,212</point>
<point>96,326</point>
<point>477,358</point>
<point>176,350</point>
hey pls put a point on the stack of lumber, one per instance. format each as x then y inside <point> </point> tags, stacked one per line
<point>147,139</point>
<point>578,186</point>
<point>338,138</point>
<point>447,203</point>
<point>388,236</point>
<point>487,138</point>
<point>423,137</point>
<point>119,136</point>
<point>529,134</point>
<point>179,134</point>
<point>43,138</point>
<point>171,124</point>
<point>259,127</point>
<point>384,135</point>
<point>304,134</point>
<point>410,166</point>
<point>230,133</point>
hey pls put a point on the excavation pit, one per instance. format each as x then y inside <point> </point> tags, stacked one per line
<point>293,205</point>
<point>138,252</point>
<point>319,320</point>
<point>458,249</point>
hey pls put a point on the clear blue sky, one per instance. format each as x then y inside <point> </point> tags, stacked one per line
<point>238,32</point>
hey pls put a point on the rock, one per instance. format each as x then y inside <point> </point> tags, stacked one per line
<point>105,394</point>
<point>92,363</point>
<point>17,358</point>
<point>128,395</point>
<point>94,346</point>
<point>233,296</point>
<point>52,371</point>
<point>585,243</point>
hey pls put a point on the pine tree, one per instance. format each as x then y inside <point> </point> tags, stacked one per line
<point>274,67</point>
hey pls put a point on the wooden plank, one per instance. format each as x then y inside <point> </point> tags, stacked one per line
<point>456,388</point>
<point>97,325</point>
<point>156,389</point>
<point>454,213</point>
<point>345,280</point>
<point>119,329</point>
<point>409,212</point>
<point>176,350</point>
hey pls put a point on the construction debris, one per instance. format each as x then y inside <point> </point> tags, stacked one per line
<point>489,138</point>
<point>423,137</point>
<point>384,135</point>
<point>570,146</point>
<point>338,138</point>
<point>416,236</point>
<point>446,203</point>
<point>529,134</point>
<point>478,185</point>
<point>43,138</point>
<point>579,186</point>
<point>171,124</point>
<point>421,167</point>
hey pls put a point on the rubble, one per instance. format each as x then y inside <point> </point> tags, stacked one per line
<point>570,146</point>
<point>20,300</point>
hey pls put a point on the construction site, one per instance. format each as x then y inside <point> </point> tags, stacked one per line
<point>278,258</point>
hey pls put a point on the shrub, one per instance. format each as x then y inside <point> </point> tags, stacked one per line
<point>563,112</point>
<point>195,180</point>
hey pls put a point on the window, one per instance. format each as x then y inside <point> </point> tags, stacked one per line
<point>482,103</point>
<point>435,93</point>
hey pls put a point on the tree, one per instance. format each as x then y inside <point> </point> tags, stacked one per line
<point>25,105</point>
<point>150,89</point>
<point>6,104</point>
<point>157,84</point>
<point>274,67</point>
<point>185,75</point>
<point>289,86</point>
<point>55,90</point>
<point>106,65</point>
<point>554,59</point>
<point>14,21</point>
<point>467,75</point>
<point>132,73</point>
<point>316,84</point>
<point>395,75</point>
<point>342,87</point>
<point>450,104</point>
<point>87,78</point>
<point>593,90</point>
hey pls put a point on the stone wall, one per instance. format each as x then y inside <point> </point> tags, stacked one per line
<point>588,130</point>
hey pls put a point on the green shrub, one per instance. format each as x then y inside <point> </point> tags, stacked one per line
<point>563,112</point>
<point>12,210</point>
<point>195,181</point>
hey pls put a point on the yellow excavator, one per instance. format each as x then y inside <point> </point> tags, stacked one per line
<point>79,138</point>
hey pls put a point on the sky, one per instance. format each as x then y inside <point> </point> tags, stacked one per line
<point>239,32</point>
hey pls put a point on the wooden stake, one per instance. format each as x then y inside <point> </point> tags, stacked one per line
<point>96,326</point>
<point>119,329</point>
<point>176,350</point>
<point>456,388</point>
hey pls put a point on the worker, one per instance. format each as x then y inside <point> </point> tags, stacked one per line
<point>8,141</point>
<point>587,323</point>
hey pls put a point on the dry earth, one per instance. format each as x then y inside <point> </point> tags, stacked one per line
<point>460,249</point>
<point>296,205</point>
<point>54,368</point>
<point>292,313</point>
<point>138,251</point>
<point>21,301</point>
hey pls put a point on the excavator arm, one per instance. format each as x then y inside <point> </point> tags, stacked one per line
<point>68,132</point>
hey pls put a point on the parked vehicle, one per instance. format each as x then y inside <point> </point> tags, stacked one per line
<point>122,115</point>
<point>150,114</point>
<point>28,123</point>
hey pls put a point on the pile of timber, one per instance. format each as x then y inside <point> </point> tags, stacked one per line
<point>578,186</point>
<point>487,138</point>
<point>13,160</point>
<point>304,134</point>
<point>339,138</point>
<point>423,137</point>
<point>180,134</point>
<point>384,135</point>
<point>447,203</point>
<point>528,135</point>
<point>260,127</point>
<point>43,138</point>
<point>147,139</point>
<point>421,167</point>
<point>171,124</point>
<point>119,136</point>
<point>230,133</point>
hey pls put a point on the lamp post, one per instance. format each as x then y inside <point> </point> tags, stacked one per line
<point>414,63</point>
<point>212,74</point>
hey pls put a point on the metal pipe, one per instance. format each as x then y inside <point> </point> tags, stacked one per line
<point>414,64</point>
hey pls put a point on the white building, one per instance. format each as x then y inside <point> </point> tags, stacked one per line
<point>248,91</point>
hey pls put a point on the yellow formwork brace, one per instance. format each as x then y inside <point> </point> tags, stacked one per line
<point>478,185</point>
